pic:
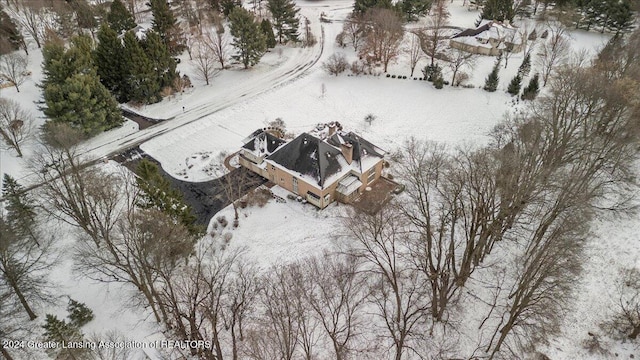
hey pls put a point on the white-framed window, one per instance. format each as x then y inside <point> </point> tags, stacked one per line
<point>371,175</point>
<point>327,198</point>
<point>295,184</point>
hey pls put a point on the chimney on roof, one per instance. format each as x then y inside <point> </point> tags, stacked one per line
<point>347,152</point>
<point>332,128</point>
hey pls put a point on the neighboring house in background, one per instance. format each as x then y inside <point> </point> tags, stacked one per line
<point>322,166</point>
<point>491,39</point>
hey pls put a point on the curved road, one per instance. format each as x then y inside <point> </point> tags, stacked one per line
<point>288,72</point>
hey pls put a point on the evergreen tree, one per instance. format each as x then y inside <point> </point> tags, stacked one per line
<point>19,207</point>
<point>79,313</point>
<point>491,82</point>
<point>85,16</point>
<point>361,6</point>
<point>113,74</point>
<point>532,89</point>
<point>620,17</point>
<point>166,24</point>
<point>525,67</point>
<point>248,39</point>
<point>285,19</point>
<point>267,30</point>
<point>142,84</point>
<point>228,6</point>
<point>72,90</point>
<point>413,9</point>
<point>514,85</point>
<point>60,331</point>
<point>83,103</point>
<point>60,64</point>
<point>499,10</point>
<point>119,18</point>
<point>159,194</point>
<point>163,63</point>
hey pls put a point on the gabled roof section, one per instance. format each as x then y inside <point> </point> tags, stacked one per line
<point>473,32</point>
<point>309,156</point>
<point>263,143</point>
<point>362,149</point>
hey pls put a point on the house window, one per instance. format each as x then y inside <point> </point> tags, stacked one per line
<point>371,175</point>
<point>314,199</point>
<point>327,198</point>
<point>295,185</point>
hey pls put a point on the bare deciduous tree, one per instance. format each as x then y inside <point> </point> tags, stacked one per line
<point>400,298</point>
<point>336,295</point>
<point>554,52</point>
<point>217,41</point>
<point>580,158</point>
<point>433,37</point>
<point>30,16</point>
<point>383,35</point>
<point>626,321</point>
<point>282,311</point>
<point>204,62</point>
<point>459,60</point>
<point>414,50</point>
<point>336,64</point>
<point>16,124</point>
<point>83,197</point>
<point>353,30</point>
<point>13,67</point>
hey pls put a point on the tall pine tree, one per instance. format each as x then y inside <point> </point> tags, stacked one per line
<point>248,39</point>
<point>491,82</point>
<point>119,18</point>
<point>361,6</point>
<point>113,74</point>
<point>72,90</point>
<point>20,213</point>
<point>499,10</point>
<point>163,64</point>
<point>142,84</point>
<point>165,23</point>
<point>285,19</point>
<point>159,194</point>
<point>267,30</point>
<point>514,85</point>
<point>83,103</point>
<point>413,9</point>
<point>531,91</point>
<point>525,66</point>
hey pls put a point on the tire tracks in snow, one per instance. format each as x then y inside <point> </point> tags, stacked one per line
<point>248,90</point>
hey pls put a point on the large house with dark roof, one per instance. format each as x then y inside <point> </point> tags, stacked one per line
<point>323,165</point>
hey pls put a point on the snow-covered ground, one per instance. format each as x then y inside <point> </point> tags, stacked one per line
<point>290,84</point>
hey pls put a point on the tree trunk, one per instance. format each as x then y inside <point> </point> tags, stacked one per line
<point>5,354</point>
<point>23,300</point>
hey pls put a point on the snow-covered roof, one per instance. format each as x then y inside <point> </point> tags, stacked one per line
<point>320,161</point>
<point>489,30</point>
<point>263,143</point>
<point>348,185</point>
